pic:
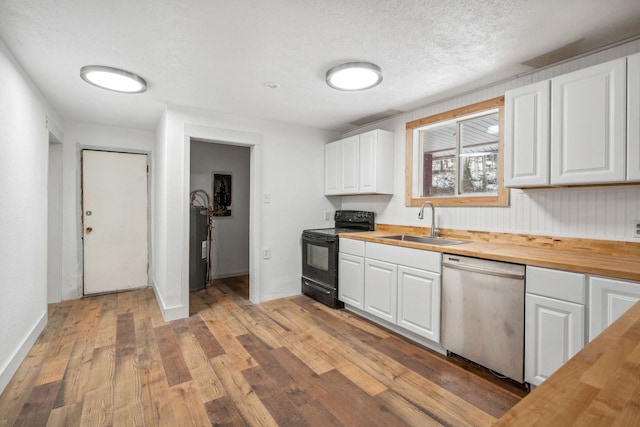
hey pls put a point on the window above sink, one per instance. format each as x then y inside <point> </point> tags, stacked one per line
<point>455,158</point>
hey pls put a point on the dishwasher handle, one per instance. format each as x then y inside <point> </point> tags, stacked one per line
<point>483,271</point>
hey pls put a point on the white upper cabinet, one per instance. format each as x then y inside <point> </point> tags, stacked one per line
<point>350,163</point>
<point>588,125</point>
<point>526,136</point>
<point>633,117</point>
<point>376,162</point>
<point>360,164</point>
<point>575,129</point>
<point>332,167</point>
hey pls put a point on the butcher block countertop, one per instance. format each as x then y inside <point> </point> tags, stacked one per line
<point>603,258</point>
<point>599,386</point>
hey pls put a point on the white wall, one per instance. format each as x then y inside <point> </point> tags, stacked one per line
<point>230,243</point>
<point>24,139</point>
<point>80,136</point>
<point>594,212</point>
<point>286,161</point>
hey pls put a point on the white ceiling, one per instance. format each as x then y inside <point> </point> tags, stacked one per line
<point>217,54</point>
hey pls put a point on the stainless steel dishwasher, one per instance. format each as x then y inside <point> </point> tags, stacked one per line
<point>483,313</point>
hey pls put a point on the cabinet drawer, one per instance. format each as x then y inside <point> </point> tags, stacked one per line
<point>557,284</point>
<point>416,258</point>
<point>353,247</point>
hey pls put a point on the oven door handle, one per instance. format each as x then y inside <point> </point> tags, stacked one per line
<point>319,288</point>
<point>308,238</point>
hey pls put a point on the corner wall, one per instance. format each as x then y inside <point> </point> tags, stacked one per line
<point>24,139</point>
<point>282,157</point>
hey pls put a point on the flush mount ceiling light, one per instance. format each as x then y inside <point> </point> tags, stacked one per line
<point>354,76</point>
<point>113,79</point>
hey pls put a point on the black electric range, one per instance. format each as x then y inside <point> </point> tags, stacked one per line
<point>320,249</point>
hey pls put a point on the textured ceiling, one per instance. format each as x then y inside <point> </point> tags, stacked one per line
<point>217,54</point>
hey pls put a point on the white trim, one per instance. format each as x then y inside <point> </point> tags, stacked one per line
<point>169,313</point>
<point>232,137</point>
<point>233,274</point>
<point>9,370</point>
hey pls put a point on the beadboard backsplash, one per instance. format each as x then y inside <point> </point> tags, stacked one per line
<point>597,212</point>
<point>605,212</point>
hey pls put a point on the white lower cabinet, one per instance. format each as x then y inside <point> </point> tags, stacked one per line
<point>609,299</point>
<point>351,272</point>
<point>419,302</point>
<point>402,286</point>
<point>381,289</point>
<point>351,280</point>
<point>554,320</point>
<point>554,332</point>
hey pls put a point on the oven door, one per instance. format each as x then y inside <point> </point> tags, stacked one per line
<point>320,259</point>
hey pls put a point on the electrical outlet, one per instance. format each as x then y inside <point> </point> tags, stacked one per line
<point>636,228</point>
<point>266,253</point>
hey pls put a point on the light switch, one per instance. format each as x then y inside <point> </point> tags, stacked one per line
<point>266,198</point>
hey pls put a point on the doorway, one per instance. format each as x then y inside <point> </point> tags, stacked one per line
<point>115,221</point>
<point>222,171</point>
<point>54,221</point>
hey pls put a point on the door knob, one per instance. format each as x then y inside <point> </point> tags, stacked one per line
<point>89,230</point>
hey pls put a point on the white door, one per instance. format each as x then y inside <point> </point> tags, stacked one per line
<point>554,332</point>
<point>349,165</point>
<point>633,117</point>
<point>351,280</point>
<point>588,125</point>
<point>332,168</point>
<point>419,302</point>
<point>526,136</point>
<point>609,299</point>
<point>368,161</point>
<point>381,289</point>
<point>114,215</point>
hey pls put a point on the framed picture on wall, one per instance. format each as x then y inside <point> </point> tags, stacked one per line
<point>221,194</point>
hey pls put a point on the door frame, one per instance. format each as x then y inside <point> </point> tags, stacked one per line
<point>230,137</point>
<point>80,206</point>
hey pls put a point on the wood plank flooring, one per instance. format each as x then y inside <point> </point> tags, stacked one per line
<point>110,360</point>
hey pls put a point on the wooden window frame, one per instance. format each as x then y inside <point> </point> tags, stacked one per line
<point>501,199</point>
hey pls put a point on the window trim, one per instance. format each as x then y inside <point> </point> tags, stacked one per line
<point>501,199</point>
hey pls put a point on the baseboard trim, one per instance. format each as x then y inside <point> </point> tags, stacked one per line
<point>168,313</point>
<point>9,370</point>
<point>225,275</point>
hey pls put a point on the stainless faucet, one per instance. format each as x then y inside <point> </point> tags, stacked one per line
<point>434,230</point>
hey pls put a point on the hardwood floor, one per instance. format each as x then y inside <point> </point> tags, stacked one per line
<point>110,360</point>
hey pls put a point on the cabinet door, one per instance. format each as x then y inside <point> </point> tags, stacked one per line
<point>526,136</point>
<point>419,302</point>
<point>351,280</point>
<point>633,118</point>
<point>588,125</point>
<point>332,168</point>
<point>368,162</point>
<point>349,165</point>
<point>554,332</point>
<point>381,289</point>
<point>609,299</point>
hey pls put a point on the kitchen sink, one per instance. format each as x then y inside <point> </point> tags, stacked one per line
<point>438,241</point>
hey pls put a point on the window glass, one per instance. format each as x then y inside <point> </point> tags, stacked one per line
<point>478,158</point>
<point>454,158</point>
<point>460,157</point>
